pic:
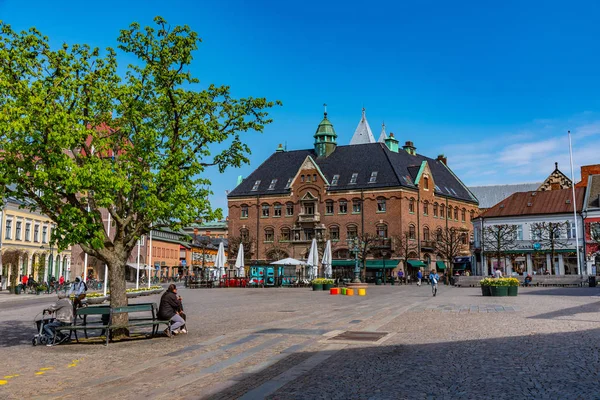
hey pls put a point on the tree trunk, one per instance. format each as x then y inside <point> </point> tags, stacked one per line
<point>118,297</point>
<point>14,277</point>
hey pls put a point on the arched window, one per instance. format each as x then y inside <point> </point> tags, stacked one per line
<point>244,211</point>
<point>426,233</point>
<point>244,234</point>
<point>463,215</point>
<point>411,205</point>
<point>289,209</point>
<point>435,210</point>
<point>472,214</point>
<point>269,235</point>
<point>356,206</point>
<point>412,232</point>
<point>351,231</point>
<point>285,235</point>
<point>329,207</point>
<point>464,238</point>
<point>449,212</point>
<point>277,210</point>
<point>425,207</point>
<point>265,210</point>
<point>334,232</point>
<point>425,183</point>
<point>343,206</point>
<point>438,235</point>
<point>381,206</point>
<point>382,230</point>
<point>442,208</point>
<point>456,214</point>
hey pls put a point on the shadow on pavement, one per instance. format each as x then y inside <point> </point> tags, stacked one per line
<point>592,308</point>
<point>579,292</point>
<point>560,365</point>
<point>16,333</point>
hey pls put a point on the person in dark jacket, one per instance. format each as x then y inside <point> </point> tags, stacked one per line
<point>169,309</point>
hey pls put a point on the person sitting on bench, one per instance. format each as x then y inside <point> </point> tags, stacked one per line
<point>170,308</point>
<point>527,281</point>
<point>63,315</point>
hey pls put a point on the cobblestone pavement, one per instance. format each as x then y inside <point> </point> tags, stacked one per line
<point>280,344</point>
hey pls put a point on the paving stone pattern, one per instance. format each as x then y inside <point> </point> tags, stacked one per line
<point>274,343</point>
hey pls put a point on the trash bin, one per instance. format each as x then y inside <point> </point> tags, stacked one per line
<point>592,281</point>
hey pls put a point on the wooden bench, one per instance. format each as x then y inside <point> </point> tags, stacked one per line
<point>107,313</point>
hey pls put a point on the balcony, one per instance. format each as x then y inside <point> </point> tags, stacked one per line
<point>428,244</point>
<point>316,217</point>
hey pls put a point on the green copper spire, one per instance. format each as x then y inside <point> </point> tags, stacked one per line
<point>325,137</point>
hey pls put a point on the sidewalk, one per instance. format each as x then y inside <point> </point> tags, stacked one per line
<point>6,296</point>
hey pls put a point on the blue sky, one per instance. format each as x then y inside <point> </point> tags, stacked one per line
<point>494,88</point>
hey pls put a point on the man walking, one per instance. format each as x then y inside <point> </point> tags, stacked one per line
<point>419,277</point>
<point>434,278</point>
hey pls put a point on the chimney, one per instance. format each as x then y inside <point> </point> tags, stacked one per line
<point>410,148</point>
<point>442,158</point>
<point>391,143</point>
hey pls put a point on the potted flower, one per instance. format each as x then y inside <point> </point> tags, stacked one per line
<point>40,288</point>
<point>317,284</point>
<point>328,284</point>
<point>513,286</point>
<point>486,285</point>
<point>95,298</point>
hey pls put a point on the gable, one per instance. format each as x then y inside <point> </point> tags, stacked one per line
<point>556,181</point>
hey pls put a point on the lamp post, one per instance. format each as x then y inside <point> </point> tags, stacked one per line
<point>353,244</point>
<point>48,269</point>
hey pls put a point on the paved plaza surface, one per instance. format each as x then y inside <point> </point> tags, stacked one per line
<point>286,344</point>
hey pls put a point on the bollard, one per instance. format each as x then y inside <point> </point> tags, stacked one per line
<point>334,291</point>
<point>349,292</point>
<point>344,291</point>
<point>362,292</point>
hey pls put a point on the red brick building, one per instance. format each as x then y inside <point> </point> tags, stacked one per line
<point>340,192</point>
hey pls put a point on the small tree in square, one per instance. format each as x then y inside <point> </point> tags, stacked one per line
<point>551,236</point>
<point>498,239</point>
<point>403,245</point>
<point>449,243</point>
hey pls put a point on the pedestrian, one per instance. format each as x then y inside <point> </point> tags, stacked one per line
<point>400,276</point>
<point>434,278</point>
<point>170,309</point>
<point>79,290</point>
<point>61,280</point>
<point>498,273</point>
<point>63,315</point>
<point>419,277</point>
<point>24,280</point>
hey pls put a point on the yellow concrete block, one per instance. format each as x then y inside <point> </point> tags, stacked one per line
<point>362,292</point>
<point>349,292</point>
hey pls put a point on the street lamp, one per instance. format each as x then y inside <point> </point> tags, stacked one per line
<point>353,247</point>
<point>50,262</point>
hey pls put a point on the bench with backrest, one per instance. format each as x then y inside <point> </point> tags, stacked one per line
<point>106,323</point>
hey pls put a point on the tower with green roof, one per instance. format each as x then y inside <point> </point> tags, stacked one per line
<point>325,137</point>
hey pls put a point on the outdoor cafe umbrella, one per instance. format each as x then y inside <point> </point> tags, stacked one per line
<point>239,262</point>
<point>327,257</point>
<point>220,260</point>
<point>313,260</point>
<point>288,261</point>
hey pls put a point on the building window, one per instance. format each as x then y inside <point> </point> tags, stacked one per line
<point>356,206</point>
<point>411,206</point>
<point>438,235</point>
<point>329,207</point>
<point>272,184</point>
<point>442,208</point>
<point>277,210</point>
<point>472,215</point>
<point>285,235</point>
<point>426,183</point>
<point>373,177</point>
<point>314,177</point>
<point>426,233</point>
<point>28,231</point>
<point>289,209</point>
<point>309,208</point>
<point>302,178</point>
<point>36,233</point>
<point>412,233</point>
<point>45,234</point>
<point>309,233</point>
<point>464,238</point>
<point>435,210</point>
<point>354,178</point>
<point>456,214</point>
<point>571,232</point>
<point>463,215</point>
<point>269,235</point>
<point>244,234</point>
<point>8,232</point>
<point>343,206</point>
<point>244,212</point>
<point>352,232</point>
<point>265,210</point>
<point>334,180</point>
<point>307,178</point>
<point>334,233</point>
<point>382,230</point>
<point>449,212</point>
<point>519,232</point>
<point>256,185</point>
<point>380,205</point>
<point>426,208</point>
<point>18,230</point>
<point>536,233</point>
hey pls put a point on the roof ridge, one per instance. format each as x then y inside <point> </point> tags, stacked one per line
<point>506,184</point>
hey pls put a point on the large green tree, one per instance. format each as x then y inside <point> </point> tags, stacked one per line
<point>80,133</point>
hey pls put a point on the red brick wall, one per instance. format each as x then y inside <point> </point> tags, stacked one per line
<point>586,171</point>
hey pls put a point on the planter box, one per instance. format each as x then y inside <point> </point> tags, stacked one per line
<point>327,286</point>
<point>499,291</point>
<point>485,291</point>
<point>95,300</point>
<point>513,290</point>
<point>317,286</point>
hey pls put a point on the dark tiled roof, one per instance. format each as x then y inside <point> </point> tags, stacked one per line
<point>535,203</point>
<point>393,170</point>
<point>593,192</point>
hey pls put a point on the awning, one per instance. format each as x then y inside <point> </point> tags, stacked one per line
<point>416,264</point>
<point>134,265</point>
<point>440,265</point>
<point>460,266</point>
<point>343,263</point>
<point>379,264</point>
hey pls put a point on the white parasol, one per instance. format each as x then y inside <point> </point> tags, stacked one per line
<point>239,262</point>
<point>313,260</point>
<point>327,258</point>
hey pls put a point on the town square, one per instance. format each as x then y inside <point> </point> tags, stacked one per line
<point>226,200</point>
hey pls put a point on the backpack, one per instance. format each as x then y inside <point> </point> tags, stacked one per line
<point>85,288</point>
